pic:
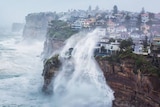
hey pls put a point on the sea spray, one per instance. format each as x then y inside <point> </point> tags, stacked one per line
<point>80,82</point>
<point>20,72</point>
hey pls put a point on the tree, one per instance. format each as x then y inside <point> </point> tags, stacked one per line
<point>103,50</point>
<point>126,44</point>
<point>127,20</point>
<point>145,43</point>
<point>89,8</point>
<point>115,9</point>
<point>139,21</point>
<point>143,10</point>
<point>97,8</point>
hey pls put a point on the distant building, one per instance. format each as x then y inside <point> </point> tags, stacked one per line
<point>157,16</point>
<point>145,28</point>
<point>100,22</point>
<point>101,32</point>
<point>144,17</point>
<point>121,29</point>
<point>111,26</point>
<point>77,25</point>
<point>107,48</point>
<point>155,46</point>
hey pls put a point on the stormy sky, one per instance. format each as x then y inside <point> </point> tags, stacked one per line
<point>16,10</point>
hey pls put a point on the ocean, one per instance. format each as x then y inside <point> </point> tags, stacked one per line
<point>20,72</point>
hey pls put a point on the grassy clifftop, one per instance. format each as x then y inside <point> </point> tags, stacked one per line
<point>60,30</point>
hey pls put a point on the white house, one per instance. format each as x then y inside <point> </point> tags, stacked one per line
<point>101,32</point>
<point>110,48</point>
<point>145,17</point>
<point>121,29</point>
<point>111,26</point>
<point>114,35</point>
<point>77,25</point>
<point>135,36</point>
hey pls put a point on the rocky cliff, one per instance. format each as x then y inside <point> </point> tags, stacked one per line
<point>51,67</point>
<point>131,90</point>
<point>57,32</point>
<point>37,24</point>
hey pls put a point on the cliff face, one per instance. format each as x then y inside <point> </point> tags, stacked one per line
<point>131,90</point>
<point>36,25</point>
<point>51,67</point>
<point>57,32</point>
<point>52,45</point>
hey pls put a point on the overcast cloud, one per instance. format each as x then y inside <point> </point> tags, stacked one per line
<point>16,10</point>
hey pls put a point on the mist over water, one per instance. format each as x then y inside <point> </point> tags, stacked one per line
<point>20,72</point>
<point>80,82</point>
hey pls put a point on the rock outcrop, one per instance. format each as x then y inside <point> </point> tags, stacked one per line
<point>37,24</point>
<point>51,66</point>
<point>131,90</point>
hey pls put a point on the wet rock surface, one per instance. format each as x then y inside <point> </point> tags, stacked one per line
<point>51,66</point>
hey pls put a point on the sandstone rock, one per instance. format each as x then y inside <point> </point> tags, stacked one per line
<point>51,66</point>
<point>131,90</point>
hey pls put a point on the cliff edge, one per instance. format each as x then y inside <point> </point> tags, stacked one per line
<point>132,89</point>
<point>36,25</point>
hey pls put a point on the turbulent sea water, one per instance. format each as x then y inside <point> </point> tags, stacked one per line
<point>80,82</point>
<point>20,72</point>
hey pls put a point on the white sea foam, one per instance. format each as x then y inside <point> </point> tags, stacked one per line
<point>80,82</point>
<point>20,73</point>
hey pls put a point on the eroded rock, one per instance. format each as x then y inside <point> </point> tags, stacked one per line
<point>131,90</point>
<point>51,67</point>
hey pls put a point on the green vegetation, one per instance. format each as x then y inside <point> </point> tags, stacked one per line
<point>140,63</point>
<point>126,44</point>
<point>60,30</point>
<point>115,9</point>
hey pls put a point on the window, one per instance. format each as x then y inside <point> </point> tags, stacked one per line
<point>111,47</point>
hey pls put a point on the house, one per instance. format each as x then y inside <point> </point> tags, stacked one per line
<point>107,48</point>
<point>121,29</point>
<point>155,29</point>
<point>135,35</point>
<point>122,36</point>
<point>144,17</point>
<point>100,22</point>
<point>111,26</point>
<point>145,28</point>
<point>138,49</point>
<point>104,39</point>
<point>89,22</point>
<point>112,48</point>
<point>86,24</point>
<point>157,16</point>
<point>155,46</point>
<point>101,32</point>
<point>77,25</point>
<point>114,35</point>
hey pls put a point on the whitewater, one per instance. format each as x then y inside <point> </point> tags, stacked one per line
<point>20,72</point>
<point>79,83</point>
